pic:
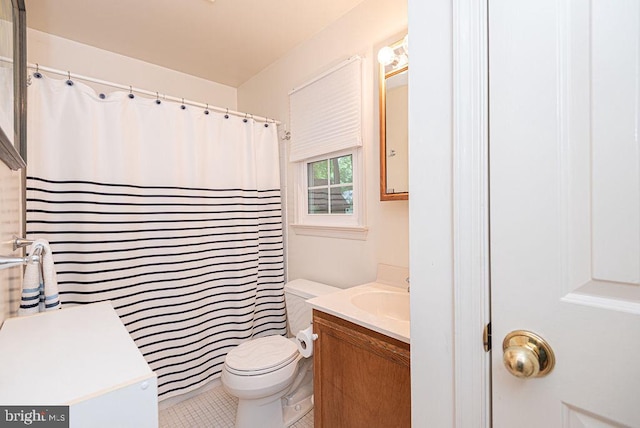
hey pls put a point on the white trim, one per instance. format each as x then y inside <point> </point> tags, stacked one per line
<point>449,246</point>
<point>602,302</point>
<point>471,212</point>
<point>431,213</point>
<point>337,232</point>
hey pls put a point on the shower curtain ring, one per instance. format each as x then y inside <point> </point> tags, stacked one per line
<point>69,81</point>
<point>183,106</point>
<point>131,92</point>
<point>206,110</point>
<point>158,98</point>
<point>226,115</point>
<point>37,74</point>
<point>245,120</point>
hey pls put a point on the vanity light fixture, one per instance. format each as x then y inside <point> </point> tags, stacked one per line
<point>386,55</point>
<point>396,55</point>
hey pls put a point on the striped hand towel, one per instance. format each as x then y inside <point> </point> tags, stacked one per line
<point>39,285</point>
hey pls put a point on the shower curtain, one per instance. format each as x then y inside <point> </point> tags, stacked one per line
<point>172,214</point>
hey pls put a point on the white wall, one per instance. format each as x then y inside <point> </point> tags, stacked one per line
<point>66,55</point>
<point>340,262</point>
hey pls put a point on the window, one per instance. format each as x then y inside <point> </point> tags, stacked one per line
<point>330,186</point>
<point>326,145</point>
<point>329,197</point>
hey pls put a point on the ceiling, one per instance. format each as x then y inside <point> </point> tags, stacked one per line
<point>226,41</point>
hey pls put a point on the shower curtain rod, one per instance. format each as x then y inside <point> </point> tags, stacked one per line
<point>68,74</point>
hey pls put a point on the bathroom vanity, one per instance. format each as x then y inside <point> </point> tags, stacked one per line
<point>362,377</point>
<point>362,358</point>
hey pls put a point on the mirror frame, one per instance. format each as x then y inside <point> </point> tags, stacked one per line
<point>13,149</point>
<point>383,76</point>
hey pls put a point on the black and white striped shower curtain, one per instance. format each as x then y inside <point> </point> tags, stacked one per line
<point>171,214</point>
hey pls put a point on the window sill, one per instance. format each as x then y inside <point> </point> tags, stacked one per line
<point>337,232</point>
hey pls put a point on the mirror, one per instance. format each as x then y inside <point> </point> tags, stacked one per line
<point>394,129</point>
<point>13,83</point>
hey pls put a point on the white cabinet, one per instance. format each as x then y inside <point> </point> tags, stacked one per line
<point>83,357</point>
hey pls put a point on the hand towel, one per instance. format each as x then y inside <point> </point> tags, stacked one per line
<point>39,286</point>
<point>30,301</point>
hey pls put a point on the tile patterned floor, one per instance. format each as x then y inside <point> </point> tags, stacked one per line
<point>211,409</point>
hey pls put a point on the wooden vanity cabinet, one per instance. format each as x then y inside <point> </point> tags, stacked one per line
<point>361,377</point>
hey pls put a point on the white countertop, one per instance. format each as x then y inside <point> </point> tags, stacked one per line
<point>340,305</point>
<point>65,356</point>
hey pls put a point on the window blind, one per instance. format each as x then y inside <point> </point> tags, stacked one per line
<point>326,113</point>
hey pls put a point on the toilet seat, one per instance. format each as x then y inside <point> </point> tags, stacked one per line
<point>261,356</point>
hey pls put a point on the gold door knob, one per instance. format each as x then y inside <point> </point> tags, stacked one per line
<point>527,355</point>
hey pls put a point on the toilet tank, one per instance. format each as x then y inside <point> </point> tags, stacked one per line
<point>296,294</point>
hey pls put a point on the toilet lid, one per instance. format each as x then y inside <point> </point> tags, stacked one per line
<point>261,355</point>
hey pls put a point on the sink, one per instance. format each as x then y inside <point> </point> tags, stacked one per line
<point>379,307</point>
<point>388,304</point>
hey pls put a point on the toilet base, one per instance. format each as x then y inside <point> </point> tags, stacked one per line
<point>293,413</point>
<point>299,401</point>
<point>283,408</point>
<point>273,414</point>
<point>259,413</point>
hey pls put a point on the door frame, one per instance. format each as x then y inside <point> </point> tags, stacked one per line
<point>449,246</point>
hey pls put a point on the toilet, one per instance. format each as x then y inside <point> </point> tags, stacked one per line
<point>269,375</point>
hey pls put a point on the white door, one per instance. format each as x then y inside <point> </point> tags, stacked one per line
<point>564,93</point>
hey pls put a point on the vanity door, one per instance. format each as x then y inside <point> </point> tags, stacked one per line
<point>361,377</point>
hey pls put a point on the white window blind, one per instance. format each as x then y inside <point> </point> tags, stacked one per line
<point>326,113</point>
